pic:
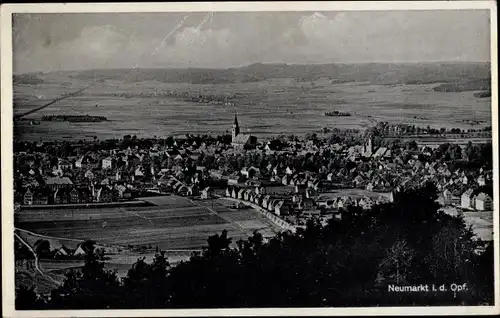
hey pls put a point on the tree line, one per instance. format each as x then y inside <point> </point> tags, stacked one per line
<point>348,262</point>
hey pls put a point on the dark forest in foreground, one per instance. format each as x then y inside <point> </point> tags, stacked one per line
<point>348,262</point>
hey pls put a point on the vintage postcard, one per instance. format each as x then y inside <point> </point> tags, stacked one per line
<point>249,159</point>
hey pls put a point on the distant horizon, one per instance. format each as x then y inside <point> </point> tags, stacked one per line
<point>256,63</point>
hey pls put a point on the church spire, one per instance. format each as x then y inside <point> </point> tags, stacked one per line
<point>236,127</point>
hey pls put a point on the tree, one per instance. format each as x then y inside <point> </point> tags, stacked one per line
<point>42,247</point>
<point>396,266</point>
<point>89,288</point>
<point>346,262</point>
<point>27,299</point>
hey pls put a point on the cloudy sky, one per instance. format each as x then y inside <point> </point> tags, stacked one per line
<point>74,41</point>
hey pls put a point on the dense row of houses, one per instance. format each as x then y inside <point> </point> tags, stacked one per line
<point>479,202</point>
<point>300,203</point>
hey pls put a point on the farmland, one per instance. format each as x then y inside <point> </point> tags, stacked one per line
<point>176,224</point>
<point>291,106</point>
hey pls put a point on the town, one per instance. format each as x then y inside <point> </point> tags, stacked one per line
<point>287,179</point>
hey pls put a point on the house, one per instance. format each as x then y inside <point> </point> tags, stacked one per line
<point>62,196</point>
<point>250,172</point>
<point>105,194</point>
<point>272,203</point>
<point>258,199</point>
<point>447,197</point>
<point>193,190</point>
<point>466,202</point>
<point>41,196</point>
<point>330,176</point>
<point>285,180</point>
<point>63,164</point>
<point>138,173</point>
<point>265,201</point>
<point>246,194</point>
<point>82,249</point>
<point>380,152</point>
<point>382,200</point>
<point>365,203</point>
<point>241,194</point>
<point>481,181</point>
<point>74,196</point>
<point>79,163</point>
<point>358,181</point>
<point>260,190</point>
<point>310,193</point>
<point>120,190</point>
<point>344,202</point>
<point>251,197</point>
<point>234,193</point>
<point>63,251</point>
<point>306,204</point>
<point>465,180</point>
<point>107,163</point>
<point>483,202</point>
<point>283,208</point>
<point>28,197</point>
<point>58,182</point>
<point>369,187</point>
<point>207,193</point>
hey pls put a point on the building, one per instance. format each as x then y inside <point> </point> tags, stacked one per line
<point>483,202</point>
<point>207,193</point>
<point>481,181</point>
<point>62,196</point>
<point>28,197</point>
<point>63,164</point>
<point>466,202</point>
<point>241,141</point>
<point>368,146</point>
<point>107,163</point>
<point>58,182</point>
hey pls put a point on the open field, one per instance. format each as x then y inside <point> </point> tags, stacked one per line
<point>291,107</point>
<point>175,225</point>
<point>481,222</point>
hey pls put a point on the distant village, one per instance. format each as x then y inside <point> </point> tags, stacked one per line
<point>289,180</point>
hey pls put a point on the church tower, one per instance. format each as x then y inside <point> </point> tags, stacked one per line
<point>236,127</point>
<point>368,147</point>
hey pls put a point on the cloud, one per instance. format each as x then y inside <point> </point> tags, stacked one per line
<point>76,41</point>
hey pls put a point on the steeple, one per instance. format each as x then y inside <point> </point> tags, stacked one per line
<point>236,127</point>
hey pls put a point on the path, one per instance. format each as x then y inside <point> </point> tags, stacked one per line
<point>36,260</point>
<point>46,236</point>
<point>19,116</point>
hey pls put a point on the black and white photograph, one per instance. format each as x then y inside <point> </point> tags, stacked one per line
<point>249,156</point>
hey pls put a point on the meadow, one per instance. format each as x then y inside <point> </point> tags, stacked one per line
<point>290,106</point>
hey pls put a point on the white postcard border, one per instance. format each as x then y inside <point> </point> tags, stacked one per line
<point>7,150</point>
